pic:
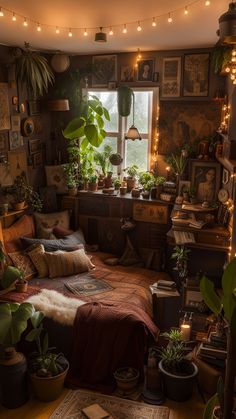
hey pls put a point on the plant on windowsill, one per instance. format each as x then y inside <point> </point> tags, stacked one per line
<point>179,373</point>
<point>71,175</point>
<point>224,307</point>
<point>93,183</point>
<point>102,158</point>
<point>132,172</point>
<point>159,182</point>
<point>147,188</point>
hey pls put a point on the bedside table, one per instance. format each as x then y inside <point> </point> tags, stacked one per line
<point>166,307</point>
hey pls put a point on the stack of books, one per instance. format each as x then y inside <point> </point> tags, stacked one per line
<point>213,351</point>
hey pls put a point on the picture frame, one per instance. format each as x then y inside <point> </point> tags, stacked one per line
<point>154,213</point>
<point>4,106</point>
<point>34,146</point>
<point>105,70</point>
<point>37,159</point>
<point>127,73</point>
<point>5,175</point>
<point>15,122</point>
<point>182,184</point>
<point>146,69</point>
<point>196,75</point>
<point>15,140</point>
<point>171,77</point>
<point>112,85</point>
<point>27,127</point>
<point>3,141</point>
<point>33,107</point>
<point>17,160</point>
<point>206,178</point>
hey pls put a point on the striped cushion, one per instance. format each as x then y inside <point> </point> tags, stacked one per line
<point>36,254</point>
<point>67,263</point>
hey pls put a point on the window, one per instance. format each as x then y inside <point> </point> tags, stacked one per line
<point>133,152</point>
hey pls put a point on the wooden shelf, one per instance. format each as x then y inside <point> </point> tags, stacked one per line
<point>12,213</point>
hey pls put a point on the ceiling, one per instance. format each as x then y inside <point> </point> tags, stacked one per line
<point>196,29</point>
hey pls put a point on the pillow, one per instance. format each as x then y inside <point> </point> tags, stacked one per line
<point>36,254</point>
<point>61,232</point>
<point>46,222</point>
<point>11,235</point>
<point>52,245</point>
<point>67,263</point>
<point>23,262</point>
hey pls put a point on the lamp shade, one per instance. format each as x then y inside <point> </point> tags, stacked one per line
<point>58,105</point>
<point>101,36</point>
<point>227,25</point>
<point>133,134</point>
<point>60,62</point>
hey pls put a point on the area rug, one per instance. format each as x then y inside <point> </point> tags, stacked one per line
<point>87,285</point>
<point>75,400</point>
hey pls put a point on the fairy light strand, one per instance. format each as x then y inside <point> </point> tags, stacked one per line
<point>139,27</point>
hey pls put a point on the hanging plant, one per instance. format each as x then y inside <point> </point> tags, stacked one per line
<point>33,71</point>
<point>124,100</point>
<point>221,56</point>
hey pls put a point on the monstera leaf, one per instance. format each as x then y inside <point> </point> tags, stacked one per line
<point>13,321</point>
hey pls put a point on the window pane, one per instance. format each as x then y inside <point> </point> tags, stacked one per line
<point>137,153</point>
<point>111,141</point>
<point>141,108</point>
<point>109,101</point>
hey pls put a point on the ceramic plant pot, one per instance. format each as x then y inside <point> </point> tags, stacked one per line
<point>21,286</point>
<point>18,206</point>
<point>48,389</point>
<point>126,379</point>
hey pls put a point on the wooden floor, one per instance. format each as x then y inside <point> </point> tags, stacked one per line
<point>191,409</point>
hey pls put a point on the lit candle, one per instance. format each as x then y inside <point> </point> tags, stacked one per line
<point>185,331</point>
<point>168,173</point>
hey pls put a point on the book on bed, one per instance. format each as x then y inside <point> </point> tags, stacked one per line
<point>95,411</point>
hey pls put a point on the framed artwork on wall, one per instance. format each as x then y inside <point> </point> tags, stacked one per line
<point>105,70</point>
<point>15,140</point>
<point>171,77</point>
<point>4,106</point>
<point>18,163</point>
<point>206,178</point>
<point>146,69</point>
<point>34,146</point>
<point>3,141</point>
<point>37,159</point>
<point>127,73</point>
<point>196,75</point>
<point>15,122</point>
<point>33,107</point>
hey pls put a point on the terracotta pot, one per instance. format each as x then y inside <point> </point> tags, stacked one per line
<point>21,287</point>
<point>72,191</point>
<point>19,205</point>
<point>130,184</point>
<point>123,190</point>
<point>92,186</point>
<point>146,194</point>
<point>126,379</point>
<point>135,193</point>
<point>101,181</point>
<point>48,389</point>
<point>108,181</point>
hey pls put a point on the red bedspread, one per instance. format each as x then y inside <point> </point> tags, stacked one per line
<point>106,337</point>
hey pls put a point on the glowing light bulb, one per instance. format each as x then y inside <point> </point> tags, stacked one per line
<point>233,52</point>
<point>57,30</point>
<point>186,10</point>
<point>233,59</point>
<point>170,20</point>
<point>124,29</point>
<point>139,56</point>
<point>85,32</point>
<point>111,32</point>
<point>13,17</point>
<point>139,27</point>
<point>227,69</point>
<point>25,23</point>
<point>39,28</point>
<point>207,3</point>
<point>154,24</point>
<point>70,33</point>
<point>1,12</point>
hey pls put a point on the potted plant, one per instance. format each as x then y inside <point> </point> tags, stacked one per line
<point>132,172</point>
<point>117,183</point>
<point>179,374</point>
<point>102,158</point>
<point>178,164</point>
<point>25,195</point>
<point>13,365</point>
<point>180,253</point>
<point>47,369</point>
<point>33,71</point>
<point>86,165</point>
<point>126,379</point>
<point>159,182</point>
<point>147,188</point>
<point>71,174</point>
<point>124,100</point>
<point>14,277</point>
<point>92,183</point>
<point>224,306</point>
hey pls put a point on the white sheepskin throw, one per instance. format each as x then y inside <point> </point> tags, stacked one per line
<point>56,306</point>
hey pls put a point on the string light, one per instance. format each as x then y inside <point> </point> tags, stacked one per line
<point>154,24</point>
<point>139,27</point>
<point>85,32</point>
<point>170,20</point>
<point>58,29</point>
<point>70,33</point>
<point>124,29</point>
<point>39,28</point>
<point>139,56</point>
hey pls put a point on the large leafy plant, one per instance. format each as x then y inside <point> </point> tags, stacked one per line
<point>224,306</point>
<point>88,126</point>
<point>13,322</point>
<point>102,158</point>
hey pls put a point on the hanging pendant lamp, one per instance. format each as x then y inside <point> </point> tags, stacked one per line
<point>133,133</point>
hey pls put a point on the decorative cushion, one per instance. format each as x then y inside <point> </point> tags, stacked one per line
<point>67,263</point>
<point>36,254</point>
<point>60,232</point>
<point>23,262</point>
<point>45,223</point>
<point>52,245</point>
<point>56,177</point>
<point>11,235</point>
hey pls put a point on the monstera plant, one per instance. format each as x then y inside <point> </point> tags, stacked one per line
<point>224,306</point>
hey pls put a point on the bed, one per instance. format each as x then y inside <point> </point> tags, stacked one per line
<point>110,330</point>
